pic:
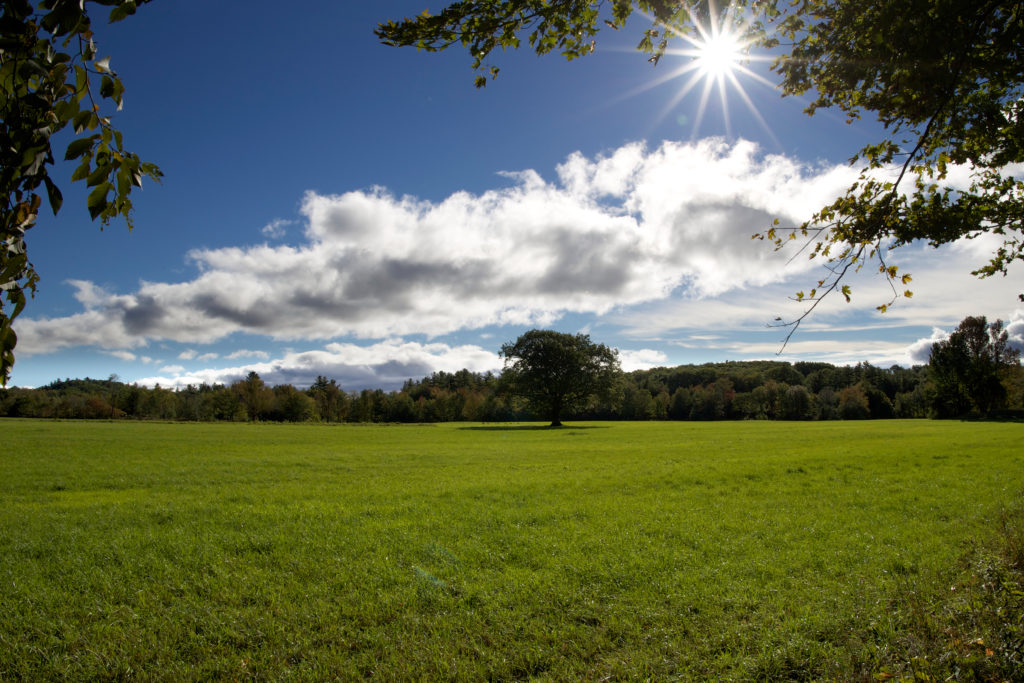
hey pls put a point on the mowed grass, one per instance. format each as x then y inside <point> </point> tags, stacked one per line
<point>601,551</point>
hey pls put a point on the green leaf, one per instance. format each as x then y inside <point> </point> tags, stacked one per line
<point>98,175</point>
<point>97,201</point>
<point>77,148</point>
<point>81,120</point>
<point>81,172</point>
<point>66,110</point>
<point>81,81</point>
<point>34,159</point>
<point>124,182</point>
<point>53,194</point>
<point>122,11</point>
<point>31,67</point>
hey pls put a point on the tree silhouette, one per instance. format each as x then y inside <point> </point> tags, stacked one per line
<point>557,372</point>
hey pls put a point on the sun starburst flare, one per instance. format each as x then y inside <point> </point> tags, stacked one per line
<point>716,54</point>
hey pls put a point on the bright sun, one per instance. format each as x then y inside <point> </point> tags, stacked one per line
<point>718,55</point>
<point>715,55</point>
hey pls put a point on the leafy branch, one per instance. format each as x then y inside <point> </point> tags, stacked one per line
<point>49,74</point>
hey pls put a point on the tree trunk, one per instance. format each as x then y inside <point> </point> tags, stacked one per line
<point>556,412</point>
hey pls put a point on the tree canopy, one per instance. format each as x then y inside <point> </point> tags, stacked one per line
<point>52,76</point>
<point>944,77</point>
<point>968,368</point>
<point>556,372</point>
<point>733,390</point>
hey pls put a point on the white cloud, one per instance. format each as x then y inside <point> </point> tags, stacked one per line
<point>276,229</point>
<point>629,227</point>
<point>641,359</point>
<point>172,369</point>
<point>128,356</point>
<point>736,324</point>
<point>386,364</point>
<point>654,240</point>
<point>921,350</point>
<point>192,354</point>
<point>247,353</point>
<point>1015,330</point>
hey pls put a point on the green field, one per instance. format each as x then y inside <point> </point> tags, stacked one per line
<point>601,551</point>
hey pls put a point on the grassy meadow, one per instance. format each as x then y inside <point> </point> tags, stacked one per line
<point>600,551</point>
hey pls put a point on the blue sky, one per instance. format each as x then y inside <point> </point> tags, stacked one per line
<point>334,206</point>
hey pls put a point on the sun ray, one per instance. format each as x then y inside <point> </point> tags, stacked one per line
<point>725,102</point>
<point>695,79</point>
<point>702,107</point>
<point>716,53</point>
<point>656,82</point>
<point>742,92</point>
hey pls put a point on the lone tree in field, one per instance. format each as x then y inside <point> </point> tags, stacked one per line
<point>556,372</point>
<point>968,368</point>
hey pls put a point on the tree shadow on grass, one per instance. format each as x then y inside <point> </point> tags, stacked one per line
<point>532,428</point>
<point>995,416</point>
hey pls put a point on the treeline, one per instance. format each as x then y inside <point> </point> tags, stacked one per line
<point>770,390</point>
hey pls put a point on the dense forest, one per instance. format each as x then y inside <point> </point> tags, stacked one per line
<point>714,391</point>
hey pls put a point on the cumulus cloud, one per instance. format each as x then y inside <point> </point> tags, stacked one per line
<point>276,229</point>
<point>1015,330</point>
<point>192,354</point>
<point>628,227</point>
<point>737,323</point>
<point>641,359</point>
<point>920,352</point>
<point>247,353</point>
<point>127,356</point>
<point>383,365</point>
